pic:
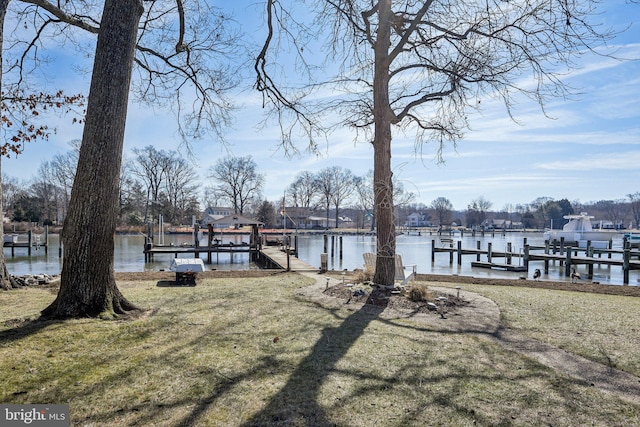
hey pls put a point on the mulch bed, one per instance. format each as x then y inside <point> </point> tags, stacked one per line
<point>378,298</point>
<point>362,295</point>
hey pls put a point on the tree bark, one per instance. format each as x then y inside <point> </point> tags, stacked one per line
<point>88,285</point>
<point>6,281</point>
<point>382,183</point>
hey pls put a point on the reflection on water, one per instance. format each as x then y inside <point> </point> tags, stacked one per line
<point>129,256</point>
<point>414,249</point>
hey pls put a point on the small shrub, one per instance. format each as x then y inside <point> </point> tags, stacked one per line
<point>419,293</point>
<point>365,275</point>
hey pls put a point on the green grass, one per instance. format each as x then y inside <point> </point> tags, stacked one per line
<point>206,356</point>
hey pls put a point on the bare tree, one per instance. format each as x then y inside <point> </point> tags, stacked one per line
<point>326,185</point>
<point>180,187</point>
<point>10,189</point>
<point>184,58</point>
<point>614,210</point>
<point>210,197</point>
<point>304,190</point>
<point>418,66</point>
<point>45,189</point>
<point>366,199</point>
<point>237,180</point>
<point>634,200</point>
<point>64,171</point>
<point>366,196</point>
<point>401,196</point>
<point>477,211</point>
<point>133,196</point>
<point>151,168</point>
<point>442,207</point>
<point>343,188</point>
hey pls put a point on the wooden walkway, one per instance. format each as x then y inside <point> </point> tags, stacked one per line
<point>279,258</point>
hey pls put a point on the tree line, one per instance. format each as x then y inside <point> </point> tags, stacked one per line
<point>542,212</point>
<point>157,182</point>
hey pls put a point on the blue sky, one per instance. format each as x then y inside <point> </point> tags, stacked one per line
<point>588,150</point>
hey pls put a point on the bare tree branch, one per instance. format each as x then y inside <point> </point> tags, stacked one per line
<point>82,22</point>
<point>200,64</point>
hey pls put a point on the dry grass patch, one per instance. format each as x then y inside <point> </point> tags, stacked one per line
<point>207,356</point>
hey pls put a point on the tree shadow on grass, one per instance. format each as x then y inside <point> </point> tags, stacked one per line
<point>22,328</point>
<point>173,284</point>
<point>297,402</point>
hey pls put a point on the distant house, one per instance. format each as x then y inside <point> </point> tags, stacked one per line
<point>346,222</point>
<point>305,218</point>
<point>316,221</point>
<point>417,219</point>
<point>501,224</point>
<point>294,217</point>
<point>235,221</point>
<point>214,213</point>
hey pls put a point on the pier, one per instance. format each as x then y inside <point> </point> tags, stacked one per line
<point>268,251</point>
<point>278,257</point>
<point>210,250</point>
<point>566,256</point>
<point>27,241</point>
<point>283,259</point>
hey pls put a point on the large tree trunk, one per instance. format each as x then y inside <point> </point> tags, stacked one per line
<point>6,281</point>
<point>382,183</point>
<point>88,285</point>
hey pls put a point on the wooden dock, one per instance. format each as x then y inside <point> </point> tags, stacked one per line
<point>27,241</point>
<point>267,256</point>
<point>565,256</point>
<point>493,265</point>
<point>282,259</point>
<point>217,249</point>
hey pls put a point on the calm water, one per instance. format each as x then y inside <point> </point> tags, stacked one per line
<point>417,250</point>
<point>128,256</point>
<point>414,249</point>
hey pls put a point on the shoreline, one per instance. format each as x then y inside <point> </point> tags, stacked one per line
<point>596,288</point>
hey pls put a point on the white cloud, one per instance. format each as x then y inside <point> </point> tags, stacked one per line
<point>613,161</point>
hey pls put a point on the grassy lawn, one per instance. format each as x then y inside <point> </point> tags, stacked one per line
<point>602,328</point>
<point>248,351</point>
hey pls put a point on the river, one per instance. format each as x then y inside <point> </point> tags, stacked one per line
<point>414,249</point>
